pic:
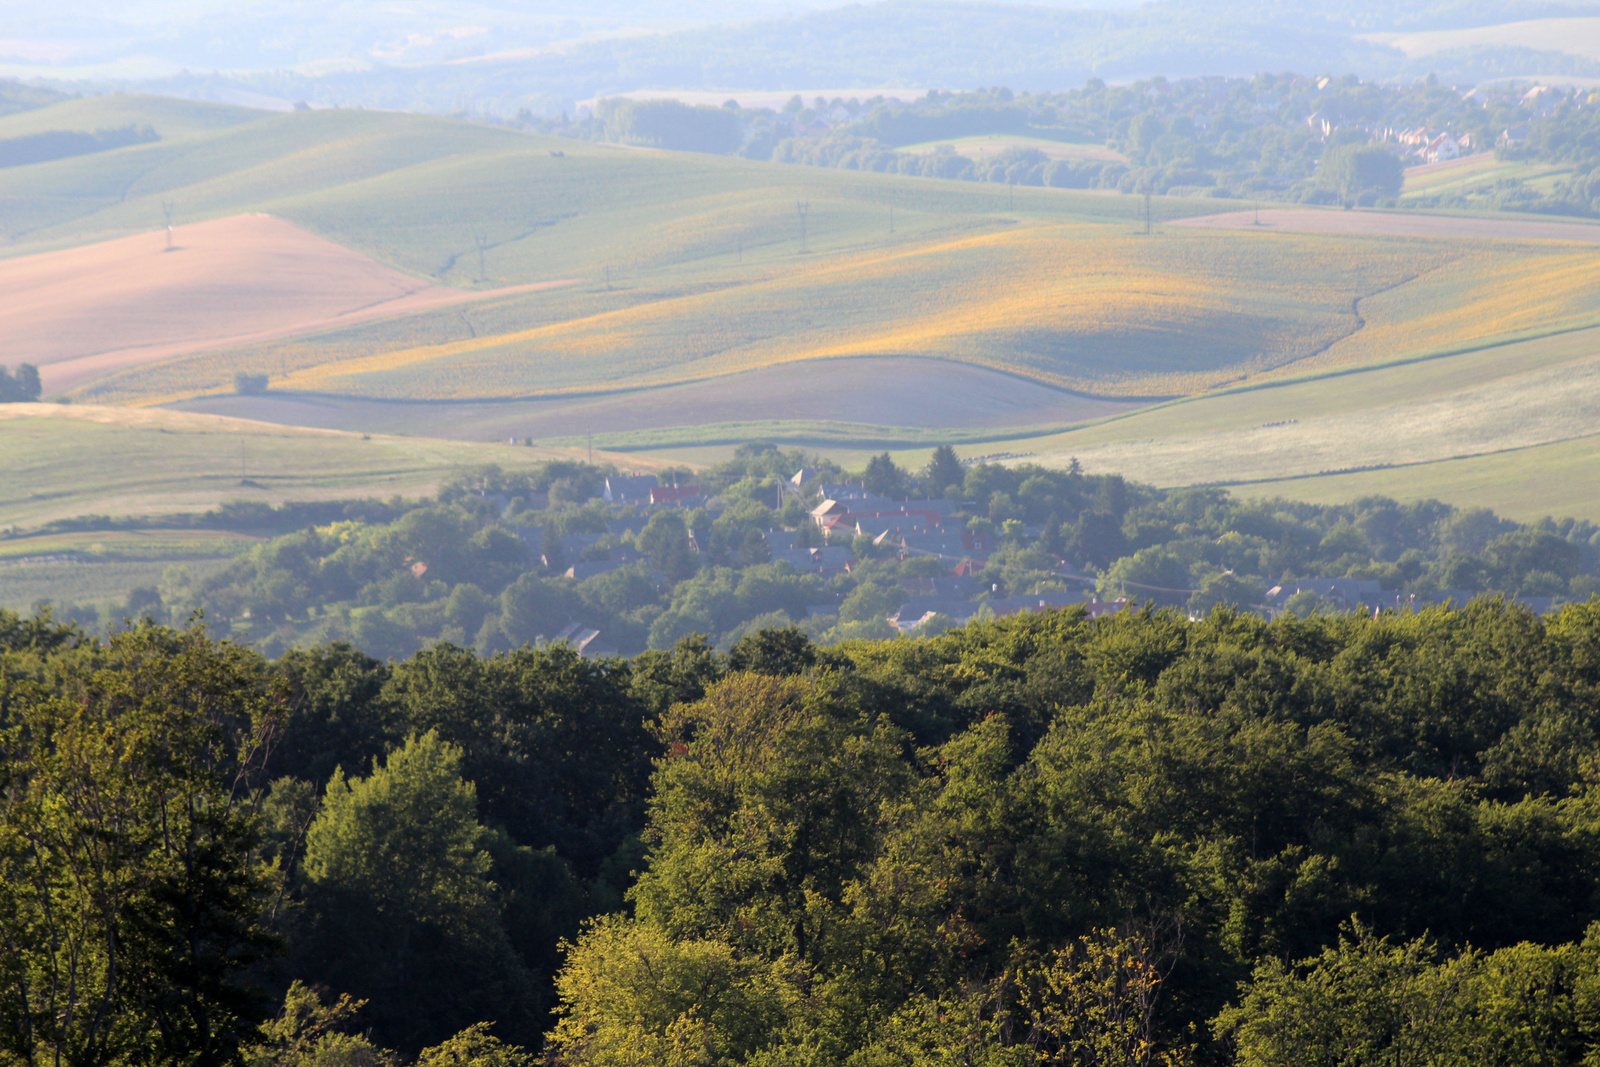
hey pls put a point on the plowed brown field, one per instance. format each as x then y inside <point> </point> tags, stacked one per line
<point>81,313</point>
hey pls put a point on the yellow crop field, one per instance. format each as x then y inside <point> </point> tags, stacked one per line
<point>1475,300</point>
<point>1093,308</point>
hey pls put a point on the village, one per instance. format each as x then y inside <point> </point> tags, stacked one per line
<point>847,528</point>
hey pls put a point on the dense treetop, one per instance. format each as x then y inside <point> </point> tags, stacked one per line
<point>1044,839</point>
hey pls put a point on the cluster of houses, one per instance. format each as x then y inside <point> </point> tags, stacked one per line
<point>897,529</point>
<point>900,530</point>
<point>1428,144</point>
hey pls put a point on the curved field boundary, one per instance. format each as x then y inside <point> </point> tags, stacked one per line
<point>1396,224</point>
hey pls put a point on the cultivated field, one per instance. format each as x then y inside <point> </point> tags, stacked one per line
<point>709,310</point>
<point>82,313</point>
<point>63,461</point>
<point>1092,308</point>
<point>1556,480</point>
<point>1507,401</point>
<point>1471,174</point>
<point>171,118</point>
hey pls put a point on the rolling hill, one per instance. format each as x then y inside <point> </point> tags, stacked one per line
<point>718,299</point>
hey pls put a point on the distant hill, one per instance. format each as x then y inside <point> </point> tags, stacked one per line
<point>15,96</point>
<point>948,45</point>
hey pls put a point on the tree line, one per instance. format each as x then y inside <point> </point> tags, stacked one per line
<point>485,563</point>
<point>1285,136</point>
<point>1045,839</point>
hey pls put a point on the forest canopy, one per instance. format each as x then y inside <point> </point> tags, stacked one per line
<point>1048,838</point>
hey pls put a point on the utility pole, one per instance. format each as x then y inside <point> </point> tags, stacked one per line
<point>480,239</point>
<point>891,219</point>
<point>1147,214</point>
<point>166,209</point>
<point>802,208</point>
<point>1258,214</point>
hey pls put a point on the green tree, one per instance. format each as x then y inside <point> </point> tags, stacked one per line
<point>406,914</point>
<point>309,1033</point>
<point>766,813</point>
<point>475,1047</point>
<point>1366,1001</point>
<point>533,609</point>
<point>883,477</point>
<point>665,543</point>
<point>1149,574</point>
<point>633,994</point>
<point>778,651</point>
<point>944,470</point>
<point>129,900</point>
<point>1227,589</point>
<point>1355,169</point>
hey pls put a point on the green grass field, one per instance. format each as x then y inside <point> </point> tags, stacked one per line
<point>65,461</point>
<point>1475,177</point>
<point>1559,480</point>
<point>99,568</point>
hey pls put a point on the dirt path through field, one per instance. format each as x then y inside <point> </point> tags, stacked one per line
<point>1396,224</point>
<point>81,313</point>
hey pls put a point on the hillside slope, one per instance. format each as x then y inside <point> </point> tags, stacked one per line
<point>925,309</point>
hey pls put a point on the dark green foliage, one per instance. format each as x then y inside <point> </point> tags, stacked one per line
<point>39,633</point>
<point>775,652</point>
<point>397,864</point>
<point>845,848</point>
<point>1356,169</point>
<point>1255,784</point>
<point>671,124</point>
<point>944,469</point>
<point>130,905</point>
<point>556,744</point>
<point>883,477</point>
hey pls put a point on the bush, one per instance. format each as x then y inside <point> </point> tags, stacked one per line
<point>249,384</point>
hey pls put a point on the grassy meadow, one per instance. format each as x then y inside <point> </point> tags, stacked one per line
<point>1560,479</point>
<point>1503,410</point>
<point>100,567</point>
<point>69,460</point>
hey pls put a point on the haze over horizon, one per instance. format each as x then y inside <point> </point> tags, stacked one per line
<point>495,57</point>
